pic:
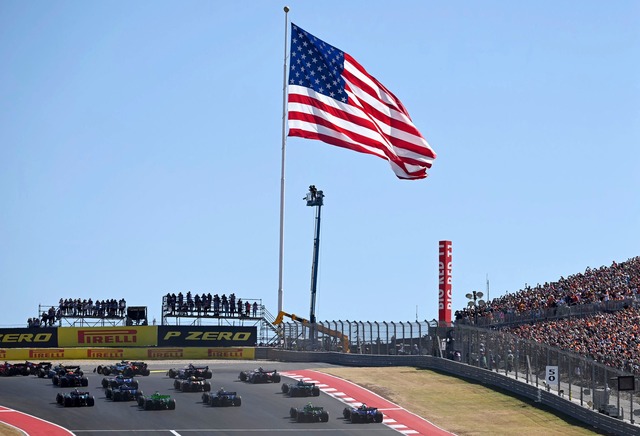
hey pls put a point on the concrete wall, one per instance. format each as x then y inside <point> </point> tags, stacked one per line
<point>590,417</point>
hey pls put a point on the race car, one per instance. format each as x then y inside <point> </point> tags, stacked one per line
<point>259,375</point>
<point>222,398</point>
<point>362,414</point>
<point>192,384</point>
<point>9,369</point>
<point>117,381</point>
<point>125,367</point>
<point>309,413</point>
<point>41,369</point>
<point>189,370</point>
<point>124,392</point>
<point>156,401</point>
<point>72,376</point>
<point>59,369</point>
<point>75,398</point>
<point>20,368</point>
<point>115,369</point>
<point>300,389</point>
<point>139,368</point>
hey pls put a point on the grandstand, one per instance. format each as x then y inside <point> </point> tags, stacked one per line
<point>206,309</point>
<point>177,309</point>
<point>594,314</point>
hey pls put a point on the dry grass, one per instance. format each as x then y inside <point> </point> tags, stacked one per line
<point>460,406</point>
<point>7,430</point>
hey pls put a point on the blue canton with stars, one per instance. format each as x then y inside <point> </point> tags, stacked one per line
<point>315,64</point>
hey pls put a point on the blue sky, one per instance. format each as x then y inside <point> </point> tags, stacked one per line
<point>140,147</point>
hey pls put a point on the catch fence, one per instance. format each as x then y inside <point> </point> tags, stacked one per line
<point>578,378</point>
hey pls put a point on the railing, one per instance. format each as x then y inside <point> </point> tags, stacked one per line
<point>79,319</point>
<point>269,333</point>
<point>593,385</point>
<point>365,337</point>
<point>579,379</point>
<point>199,314</point>
<point>499,318</point>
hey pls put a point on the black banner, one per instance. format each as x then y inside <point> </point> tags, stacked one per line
<point>36,337</point>
<point>207,336</point>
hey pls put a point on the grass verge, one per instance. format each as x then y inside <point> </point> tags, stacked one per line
<point>463,407</point>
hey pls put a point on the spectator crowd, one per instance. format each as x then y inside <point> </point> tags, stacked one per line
<point>610,337</point>
<point>207,305</point>
<point>80,308</point>
<point>620,281</point>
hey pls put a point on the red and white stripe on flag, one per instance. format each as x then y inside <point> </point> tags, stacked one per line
<point>357,112</point>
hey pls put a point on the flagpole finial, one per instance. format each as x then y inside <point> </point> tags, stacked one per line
<point>286,9</point>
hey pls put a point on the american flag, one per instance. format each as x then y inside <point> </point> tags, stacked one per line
<point>333,99</point>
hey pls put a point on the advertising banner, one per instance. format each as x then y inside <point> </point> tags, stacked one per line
<point>34,354</point>
<point>118,354</point>
<point>207,336</point>
<point>29,337</point>
<point>129,336</point>
<point>444,282</point>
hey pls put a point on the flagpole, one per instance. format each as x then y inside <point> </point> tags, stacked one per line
<point>284,142</point>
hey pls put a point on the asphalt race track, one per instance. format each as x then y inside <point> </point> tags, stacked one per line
<point>264,410</point>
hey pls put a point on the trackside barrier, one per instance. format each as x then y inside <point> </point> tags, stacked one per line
<point>153,353</point>
<point>551,399</point>
<point>130,336</point>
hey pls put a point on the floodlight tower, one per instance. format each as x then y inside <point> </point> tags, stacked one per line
<point>475,303</point>
<point>314,198</point>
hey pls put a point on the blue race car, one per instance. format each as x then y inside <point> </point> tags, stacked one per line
<point>75,398</point>
<point>119,380</point>
<point>222,398</point>
<point>124,392</point>
<point>362,414</point>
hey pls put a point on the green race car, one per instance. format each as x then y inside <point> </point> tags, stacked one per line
<point>309,413</point>
<point>156,401</point>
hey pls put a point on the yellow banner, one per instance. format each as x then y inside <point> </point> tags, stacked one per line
<point>144,353</point>
<point>129,336</point>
